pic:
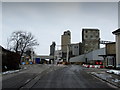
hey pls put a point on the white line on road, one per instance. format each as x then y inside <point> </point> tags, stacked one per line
<point>27,81</point>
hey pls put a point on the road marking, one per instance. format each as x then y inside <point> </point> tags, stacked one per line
<point>27,81</point>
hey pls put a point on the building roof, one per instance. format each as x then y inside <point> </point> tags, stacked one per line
<point>74,43</point>
<point>90,29</point>
<point>111,43</point>
<point>116,31</point>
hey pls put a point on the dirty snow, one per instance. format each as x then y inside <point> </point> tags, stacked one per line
<point>116,72</point>
<point>103,76</point>
<point>11,71</point>
<point>116,80</point>
<point>109,78</point>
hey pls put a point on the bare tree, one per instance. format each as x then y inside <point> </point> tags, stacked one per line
<point>20,41</point>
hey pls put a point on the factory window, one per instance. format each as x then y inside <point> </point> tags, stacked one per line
<point>75,47</point>
<point>86,50</point>
<point>91,36</point>
<point>86,31</point>
<point>97,36</point>
<point>86,36</point>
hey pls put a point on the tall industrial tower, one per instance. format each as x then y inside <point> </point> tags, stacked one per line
<point>65,41</point>
<point>90,40</point>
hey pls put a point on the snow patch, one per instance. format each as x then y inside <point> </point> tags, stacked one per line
<point>101,75</point>
<point>9,72</point>
<point>116,80</point>
<point>116,72</point>
<point>12,71</point>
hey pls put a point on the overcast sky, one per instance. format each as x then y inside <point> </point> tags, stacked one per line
<point>47,21</point>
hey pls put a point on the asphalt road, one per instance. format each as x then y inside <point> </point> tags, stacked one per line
<point>17,80</point>
<point>72,76</point>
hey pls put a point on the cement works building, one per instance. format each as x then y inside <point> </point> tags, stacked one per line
<point>105,55</point>
<point>89,58</point>
<point>117,34</point>
<point>90,42</point>
<point>65,41</point>
<point>89,51</point>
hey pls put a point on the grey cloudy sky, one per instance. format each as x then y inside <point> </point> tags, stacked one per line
<point>47,21</point>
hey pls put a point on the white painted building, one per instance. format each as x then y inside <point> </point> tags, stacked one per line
<point>58,56</point>
<point>58,53</point>
<point>92,56</point>
<point>74,48</point>
<point>80,58</point>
